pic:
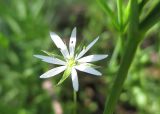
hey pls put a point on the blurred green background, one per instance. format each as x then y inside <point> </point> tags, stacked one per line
<point>24,31</point>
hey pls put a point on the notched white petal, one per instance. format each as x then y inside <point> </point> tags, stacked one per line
<point>60,44</point>
<point>51,60</point>
<point>53,72</point>
<point>87,48</point>
<point>87,69</point>
<point>72,42</point>
<point>74,77</point>
<point>92,58</point>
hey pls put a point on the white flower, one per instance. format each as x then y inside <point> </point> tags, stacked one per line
<point>72,61</point>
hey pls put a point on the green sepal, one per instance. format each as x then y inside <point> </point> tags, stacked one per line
<point>90,65</point>
<point>93,66</point>
<point>66,73</point>
<point>53,55</point>
<point>46,52</point>
<point>80,47</point>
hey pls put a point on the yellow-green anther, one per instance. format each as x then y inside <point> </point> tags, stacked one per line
<point>71,62</point>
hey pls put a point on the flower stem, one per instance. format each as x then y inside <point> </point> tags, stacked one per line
<point>131,47</point>
<point>75,102</point>
<point>115,53</point>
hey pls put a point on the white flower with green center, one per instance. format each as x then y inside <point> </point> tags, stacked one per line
<point>72,61</point>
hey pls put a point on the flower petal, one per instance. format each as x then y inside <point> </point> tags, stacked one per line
<point>49,59</point>
<point>72,42</point>
<point>74,79</point>
<point>87,48</point>
<point>60,44</point>
<point>92,58</point>
<point>53,72</point>
<point>87,69</point>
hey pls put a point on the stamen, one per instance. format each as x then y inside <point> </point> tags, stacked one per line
<point>71,62</point>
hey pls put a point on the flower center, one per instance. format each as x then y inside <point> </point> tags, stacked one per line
<point>71,62</point>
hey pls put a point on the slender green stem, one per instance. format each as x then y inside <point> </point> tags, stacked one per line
<point>131,47</point>
<point>121,76</point>
<point>158,43</point>
<point>136,33</point>
<point>115,53</point>
<point>75,102</point>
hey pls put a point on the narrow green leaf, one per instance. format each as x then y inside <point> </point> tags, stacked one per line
<point>151,19</point>
<point>120,14</point>
<point>104,6</point>
<point>20,8</point>
<point>126,14</point>
<point>13,24</point>
<point>142,4</point>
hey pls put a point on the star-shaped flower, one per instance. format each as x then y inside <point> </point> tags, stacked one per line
<point>72,61</point>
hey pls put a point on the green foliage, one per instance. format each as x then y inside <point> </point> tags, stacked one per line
<point>24,31</point>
